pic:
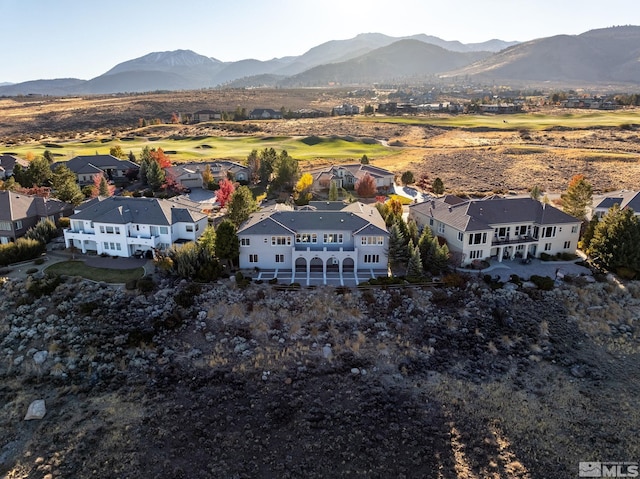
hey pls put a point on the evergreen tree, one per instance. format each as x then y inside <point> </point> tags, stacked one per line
<point>364,160</point>
<point>437,186</point>
<point>103,187</point>
<point>144,168</point>
<point>426,247</point>
<point>132,157</point>
<point>578,197</point>
<point>587,236</point>
<point>241,205</point>
<point>65,186</point>
<point>412,230</point>
<point>407,178</point>
<point>253,163</point>
<point>414,266</point>
<point>333,191</point>
<point>286,170</point>
<point>616,240</point>
<point>397,246</point>
<point>155,175</point>
<point>227,244</point>
<point>536,192</point>
<point>47,155</point>
<point>268,158</point>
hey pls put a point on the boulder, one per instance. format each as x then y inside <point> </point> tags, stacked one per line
<point>36,410</point>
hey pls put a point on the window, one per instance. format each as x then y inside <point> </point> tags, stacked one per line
<point>197,226</point>
<point>280,240</point>
<point>547,246</point>
<point>164,230</point>
<point>521,230</point>
<point>118,246</point>
<point>279,258</point>
<point>113,246</point>
<point>549,232</point>
<point>253,258</point>
<point>567,244</point>
<point>574,229</point>
<point>5,225</point>
<point>106,245</point>
<point>375,240</point>
<point>189,228</point>
<point>245,241</point>
<point>109,230</point>
<point>477,238</point>
<point>430,221</point>
<point>332,238</point>
<point>476,254</point>
<point>306,238</point>
<point>102,229</point>
<point>440,227</point>
<point>502,232</point>
<point>461,237</point>
<point>371,258</point>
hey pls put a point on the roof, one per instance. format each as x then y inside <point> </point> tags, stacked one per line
<point>101,162</point>
<point>624,199</point>
<point>483,214</point>
<point>356,218</point>
<point>8,162</point>
<point>150,211</point>
<point>358,170</point>
<point>16,206</point>
<point>198,167</point>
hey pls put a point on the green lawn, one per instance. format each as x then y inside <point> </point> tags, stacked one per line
<point>78,268</point>
<point>528,121</point>
<point>203,148</point>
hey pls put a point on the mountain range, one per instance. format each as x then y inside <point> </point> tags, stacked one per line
<point>604,56</point>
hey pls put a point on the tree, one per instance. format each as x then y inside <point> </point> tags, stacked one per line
<point>207,177</point>
<point>589,231</point>
<point>253,163</point>
<point>286,171</point>
<point>38,173</point>
<point>101,186</point>
<point>47,155</point>
<point>267,158</point>
<point>412,230</point>
<point>241,205</point>
<point>227,244</point>
<point>132,157</point>
<point>223,194</point>
<point>414,266</point>
<point>535,193</point>
<point>364,160</point>
<point>437,186</point>
<point>303,189</point>
<point>579,195</point>
<point>397,248</point>
<point>155,175</point>
<point>407,178</point>
<point>160,157</point>
<point>395,207</point>
<point>368,109</point>
<point>366,186</point>
<point>66,187</point>
<point>333,191</point>
<point>616,240</point>
<point>117,152</point>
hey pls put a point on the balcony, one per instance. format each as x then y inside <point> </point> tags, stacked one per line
<point>521,239</point>
<point>78,234</point>
<point>149,241</point>
<point>320,247</point>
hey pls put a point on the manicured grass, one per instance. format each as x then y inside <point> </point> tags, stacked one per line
<point>78,268</point>
<point>202,148</point>
<point>528,121</point>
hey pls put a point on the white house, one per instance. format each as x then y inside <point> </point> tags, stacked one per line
<point>189,175</point>
<point>124,226</point>
<point>498,227</point>
<point>323,237</point>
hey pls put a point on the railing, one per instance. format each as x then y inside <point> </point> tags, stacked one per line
<point>514,240</point>
<point>321,247</point>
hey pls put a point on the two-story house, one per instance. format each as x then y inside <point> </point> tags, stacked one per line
<point>20,212</point>
<point>346,176</point>
<point>8,163</point>
<point>189,175</point>
<point>624,199</point>
<point>322,237</point>
<point>498,227</point>
<point>125,226</point>
<point>87,166</point>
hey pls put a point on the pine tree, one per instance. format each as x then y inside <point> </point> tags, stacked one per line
<point>397,247</point>
<point>155,175</point>
<point>616,240</point>
<point>227,244</point>
<point>437,186</point>
<point>587,236</point>
<point>66,187</point>
<point>333,191</point>
<point>414,266</point>
<point>241,205</point>
<point>579,195</point>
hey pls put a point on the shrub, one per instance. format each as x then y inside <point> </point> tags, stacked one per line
<point>145,284</point>
<point>43,286</point>
<point>21,250</point>
<point>544,283</point>
<point>64,222</point>
<point>131,284</point>
<point>454,280</point>
<point>184,298</point>
<point>626,273</point>
<point>148,193</point>
<point>545,257</point>
<point>136,194</point>
<point>38,261</point>
<point>31,270</point>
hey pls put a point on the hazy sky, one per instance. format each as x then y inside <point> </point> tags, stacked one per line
<point>85,38</point>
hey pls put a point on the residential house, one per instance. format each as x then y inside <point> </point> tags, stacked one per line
<point>322,237</point>
<point>8,163</point>
<point>265,114</point>
<point>207,115</point>
<point>126,226</point>
<point>346,109</point>
<point>624,199</point>
<point>189,175</point>
<point>501,108</point>
<point>346,176</point>
<point>87,166</point>
<point>18,213</point>
<point>498,227</point>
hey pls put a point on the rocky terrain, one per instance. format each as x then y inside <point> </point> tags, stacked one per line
<point>214,381</point>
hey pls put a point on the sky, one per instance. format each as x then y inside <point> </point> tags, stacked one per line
<point>44,39</point>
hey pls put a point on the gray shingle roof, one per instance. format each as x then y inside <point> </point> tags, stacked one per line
<point>98,161</point>
<point>150,211</point>
<point>624,199</point>
<point>15,206</point>
<point>477,215</point>
<point>354,218</point>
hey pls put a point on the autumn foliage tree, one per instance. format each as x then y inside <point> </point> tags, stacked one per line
<point>101,187</point>
<point>578,197</point>
<point>223,194</point>
<point>159,156</point>
<point>302,191</point>
<point>366,186</point>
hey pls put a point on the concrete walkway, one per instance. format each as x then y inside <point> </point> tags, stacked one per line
<point>552,269</point>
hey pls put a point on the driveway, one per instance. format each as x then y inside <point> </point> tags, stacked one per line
<point>552,269</point>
